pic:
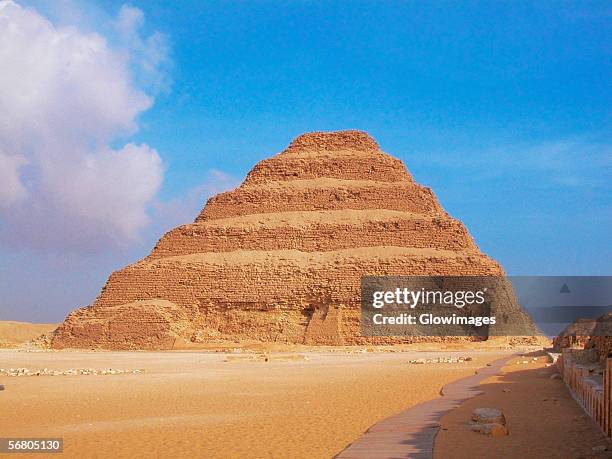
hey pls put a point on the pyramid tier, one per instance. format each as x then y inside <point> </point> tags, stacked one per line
<point>321,194</point>
<point>286,287</point>
<point>279,276</point>
<point>316,231</point>
<point>339,165</point>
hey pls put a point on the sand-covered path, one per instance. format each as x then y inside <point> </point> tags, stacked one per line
<point>543,419</point>
<point>411,433</point>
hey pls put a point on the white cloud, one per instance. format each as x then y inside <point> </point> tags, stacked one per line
<point>65,97</point>
<point>148,54</point>
<point>11,188</point>
<point>568,163</point>
<point>187,207</point>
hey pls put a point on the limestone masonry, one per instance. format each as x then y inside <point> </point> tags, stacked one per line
<point>280,258</point>
<point>594,334</point>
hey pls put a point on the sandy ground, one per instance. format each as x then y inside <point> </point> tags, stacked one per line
<point>15,333</point>
<point>543,419</point>
<point>201,405</point>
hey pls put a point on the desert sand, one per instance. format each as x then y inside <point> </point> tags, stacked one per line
<point>543,418</point>
<point>215,404</point>
<point>13,334</point>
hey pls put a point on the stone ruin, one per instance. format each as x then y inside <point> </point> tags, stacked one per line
<point>593,336</point>
<point>575,335</point>
<point>279,259</point>
<point>601,340</point>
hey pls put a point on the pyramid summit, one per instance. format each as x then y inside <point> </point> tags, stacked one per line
<point>333,141</point>
<point>280,258</point>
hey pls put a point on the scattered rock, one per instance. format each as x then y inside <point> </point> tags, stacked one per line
<point>493,429</point>
<point>1,387</point>
<point>488,416</point>
<point>441,360</point>
<point>506,390</point>
<point>599,448</point>
<point>555,376</point>
<point>70,372</point>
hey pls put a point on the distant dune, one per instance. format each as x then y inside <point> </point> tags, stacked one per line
<point>16,333</point>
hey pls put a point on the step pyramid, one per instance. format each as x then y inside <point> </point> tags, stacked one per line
<point>279,259</point>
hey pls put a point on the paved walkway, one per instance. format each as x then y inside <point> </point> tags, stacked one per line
<point>411,433</point>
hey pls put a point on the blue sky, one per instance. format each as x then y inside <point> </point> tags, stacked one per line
<point>502,108</point>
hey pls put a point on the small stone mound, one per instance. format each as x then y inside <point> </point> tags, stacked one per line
<point>488,415</point>
<point>493,429</point>
<point>489,421</point>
